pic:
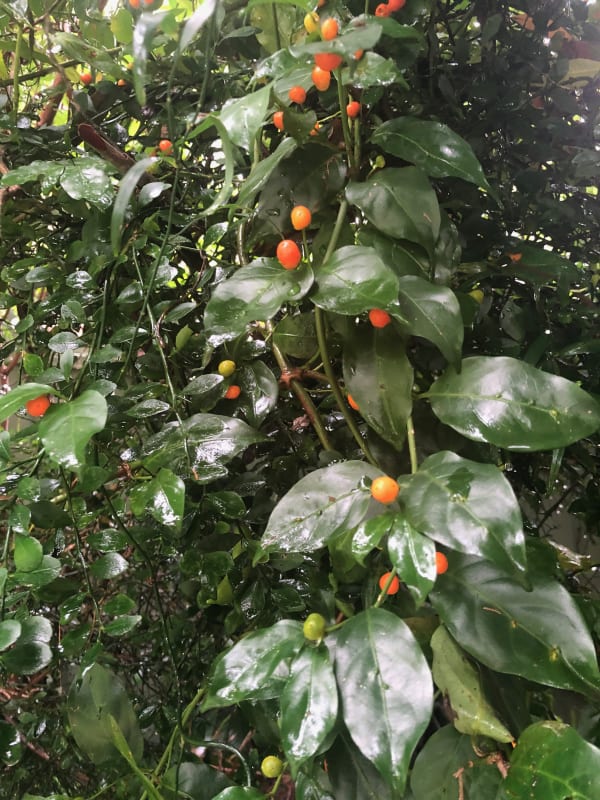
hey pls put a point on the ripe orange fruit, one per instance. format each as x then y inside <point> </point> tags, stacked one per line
<point>382,10</point>
<point>329,29</point>
<point>441,563</point>
<point>165,146</point>
<point>328,61</point>
<point>352,403</point>
<point>321,78</point>
<point>396,5</point>
<point>353,109</point>
<point>394,586</point>
<point>297,94</point>
<point>316,129</point>
<point>233,392</point>
<point>379,318</point>
<point>301,217</point>
<point>288,254</point>
<point>134,3</point>
<point>359,54</point>
<point>384,489</point>
<point>38,406</point>
<point>121,82</point>
<point>514,257</point>
<point>86,78</point>
<point>278,120</point>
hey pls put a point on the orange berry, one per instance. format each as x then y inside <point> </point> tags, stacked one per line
<point>353,109</point>
<point>288,254</point>
<point>441,563</point>
<point>321,78</point>
<point>165,146</point>
<point>301,217</point>
<point>278,120</point>
<point>328,61</point>
<point>121,82</point>
<point>134,3</point>
<point>86,78</point>
<point>384,489</point>
<point>321,3</point>
<point>352,403</point>
<point>329,29</point>
<point>297,94</point>
<point>382,10</point>
<point>38,406</point>
<point>514,257</point>
<point>233,392</point>
<point>316,129</point>
<point>359,54</point>
<point>396,5</point>
<point>394,586</point>
<point>379,318</point>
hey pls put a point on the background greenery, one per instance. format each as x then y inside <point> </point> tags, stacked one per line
<point>162,544</point>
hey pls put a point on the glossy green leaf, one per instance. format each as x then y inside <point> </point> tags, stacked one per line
<point>449,761</point>
<point>143,33</point>
<point>369,534</point>
<point>11,748</point>
<point>379,376</point>
<point>468,506</point>
<point>311,787</point>
<point>122,625</point>
<point>260,391</point>
<point>355,280</point>
<point>148,408</point>
<point>10,630</point>
<point>400,203</point>
<point>386,690</point>
<point>255,292</point>
<point>352,776</point>
<point>166,498</point>
<point>413,556</point>
<point>66,431</point>
<point>511,404</point>
<point>240,793</point>
<point>45,573</point>
<point>309,705</point>
<point>402,256</point>
<point>458,679</point>
<point>256,667</point>
<point>195,23</point>
<point>261,171</point>
<point>26,659</point>
<point>14,400</point>
<point>84,178</point>
<point>222,196</point>
<point>432,146</point>
<point>322,505</point>
<point>296,336</point>
<point>108,566</point>
<point>93,698</point>
<point>540,266</point>
<point>538,634</point>
<point>28,553</point>
<point>126,189</point>
<point>553,762</point>
<point>244,116</point>
<point>433,313</point>
<point>374,70</point>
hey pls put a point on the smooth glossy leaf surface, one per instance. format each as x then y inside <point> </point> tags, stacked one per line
<point>369,534</point>
<point>260,172</point>
<point>354,280</point>
<point>28,553</point>
<point>353,776</point>
<point>413,556</point>
<point>467,506</point>
<point>553,762</point>
<point>26,659</point>
<point>94,698</point>
<point>10,630</point>
<point>197,780</point>
<point>255,292</point>
<point>296,336</point>
<point>167,498</point>
<point>240,793</point>
<point>196,22</point>
<point>243,117</point>
<point>309,705</point>
<point>256,667</point>
<point>449,762</point>
<point>66,432</point>
<point>538,634</point>
<point>432,146</point>
<point>432,312</point>
<point>511,404</point>
<point>386,690</point>
<point>259,392</point>
<point>458,679</point>
<point>45,573</point>
<point>379,376</point>
<point>400,203</point>
<point>128,183</point>
<point>320,506</point>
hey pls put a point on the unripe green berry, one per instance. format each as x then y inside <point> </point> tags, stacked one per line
<point>271,767</point>
<point>314,627</point>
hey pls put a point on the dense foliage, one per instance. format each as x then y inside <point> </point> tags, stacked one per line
<point>197,415</point>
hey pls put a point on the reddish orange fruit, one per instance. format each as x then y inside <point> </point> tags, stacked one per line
<point>353,109</point>
<point>321,78</point>
<point>233,392</point>
<point>385,489</point>
<point>441,563</point>
<point>394,586</point>
<point>379,318</point>
<point>288,254</point>
<point>352,403</point>
<point>86,78</point>
<point>329,29</point>
<point>165,146</point>
<point>359,54</point>
<point>278,120</point>
<point>316,129</point>
<point>382,10</point>
<point>38,406</point>
<point>328,61</point>
<point>300,217</point>
<point>297,94</point>
<point>396,5</point>
<point>121,82</point>
<point>134,3</point>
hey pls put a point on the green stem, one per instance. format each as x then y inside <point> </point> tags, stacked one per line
<point>383,593</point>
<point>412,445</point>
<point>344,117</point>
<point>16,67</point>
<point>276,26</point>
